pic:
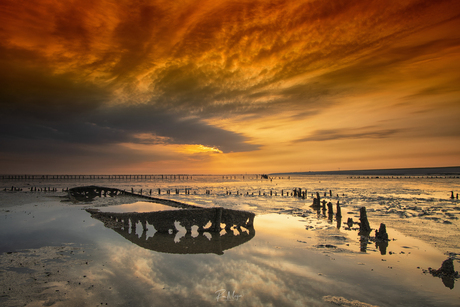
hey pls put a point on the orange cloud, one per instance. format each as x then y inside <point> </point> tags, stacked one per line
<point>210,73</point>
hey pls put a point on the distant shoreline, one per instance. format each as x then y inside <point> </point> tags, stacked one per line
<point>427,171</point>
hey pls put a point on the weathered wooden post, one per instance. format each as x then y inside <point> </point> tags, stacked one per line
<point>364,223</point>
<point>329,208</point>
<point>381,234</point>
<point>446,272</point>
<point>381,239</point>
<point>339,210</point>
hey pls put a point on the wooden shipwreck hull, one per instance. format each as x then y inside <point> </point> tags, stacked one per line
<point>207,220</point>
<point>164,238</point>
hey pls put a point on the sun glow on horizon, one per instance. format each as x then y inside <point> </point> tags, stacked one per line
<point>197,149</point>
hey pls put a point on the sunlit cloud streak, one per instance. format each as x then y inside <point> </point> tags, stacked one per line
<point>354,133</point>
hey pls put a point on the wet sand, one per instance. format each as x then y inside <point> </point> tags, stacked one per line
<point>54,254</point>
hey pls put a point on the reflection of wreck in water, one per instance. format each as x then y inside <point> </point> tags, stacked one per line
<point>208,220</point>
<point>164,223</point>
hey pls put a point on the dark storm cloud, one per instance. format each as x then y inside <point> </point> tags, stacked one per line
<point>123,124</point>
<point>180,128</point>
<point>37,104</point>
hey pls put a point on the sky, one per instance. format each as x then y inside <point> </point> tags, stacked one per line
<point>228,87</point>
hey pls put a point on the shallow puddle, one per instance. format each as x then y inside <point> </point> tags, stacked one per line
<point>139,206</point>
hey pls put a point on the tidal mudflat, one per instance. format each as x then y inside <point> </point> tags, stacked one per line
<point>54,253</point>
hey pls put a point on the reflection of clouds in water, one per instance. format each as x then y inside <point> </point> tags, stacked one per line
<point>270,269</point>
<point>196,278</point>
<point>265,251</point>
<point>134,261</point>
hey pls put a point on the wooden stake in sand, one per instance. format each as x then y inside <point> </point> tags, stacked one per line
<point>381,234</point>
<point>339,211</point>
<point>364,223</point>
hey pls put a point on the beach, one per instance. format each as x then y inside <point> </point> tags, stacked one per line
<point>55,253</point>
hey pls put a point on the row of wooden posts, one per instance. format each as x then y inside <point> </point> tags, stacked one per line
<point>190,177</point>
<point>403,177</point>
<point>117,177</point>
<point>381,236</point>
<point>297,192</point>
<point>124,177</point>
<point>34,189</point>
